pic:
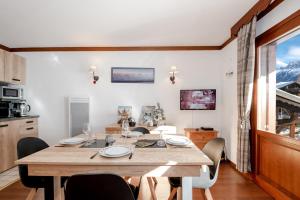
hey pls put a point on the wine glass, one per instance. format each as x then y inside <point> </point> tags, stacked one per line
<point>125,129</point>
<point>86,129</point>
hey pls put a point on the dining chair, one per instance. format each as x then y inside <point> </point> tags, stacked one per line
<point>208,174</point>
<point>142,130</point>
<point>25,147</point>
<point>99,186</point>
<point>152,181</point>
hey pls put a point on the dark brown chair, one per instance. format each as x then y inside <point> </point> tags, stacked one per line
<point>25,147</point>
<point>99,186</point>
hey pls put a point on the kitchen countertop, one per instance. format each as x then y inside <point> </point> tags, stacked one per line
<point>18,118</point>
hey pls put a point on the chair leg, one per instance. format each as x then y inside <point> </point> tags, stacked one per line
<point>208,194</point>
<point>154,180</point>
<point>49,192</point>
<point>152,190</point>
<point>172,194</point>
<point>31,194</point>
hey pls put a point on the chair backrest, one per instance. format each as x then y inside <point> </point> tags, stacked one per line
<point>25,147</point>
<point>97,186</point>
<point>213,149</point>
<point>142,130</point>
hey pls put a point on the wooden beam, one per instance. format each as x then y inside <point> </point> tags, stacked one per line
<point>228,41</point>
<point>280,29</point>
<point>263,13</point>
<point>140,48</point>
<point>273,5</point>
<point>4,47</point>
<point>255,10</point>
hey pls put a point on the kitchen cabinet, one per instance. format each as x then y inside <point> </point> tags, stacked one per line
<point>14,68</point>
<point>200,137</point>
<point>2,58</point>
<point>10,133</point>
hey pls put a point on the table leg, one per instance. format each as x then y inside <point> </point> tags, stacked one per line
<point>57,188</point>
<point>187,188</point>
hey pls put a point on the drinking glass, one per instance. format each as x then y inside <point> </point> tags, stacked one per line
<point>125,129</point>
<point>86,129</point>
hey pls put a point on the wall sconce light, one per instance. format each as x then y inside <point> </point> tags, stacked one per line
<point>93,71</point>
<point>172,74</point>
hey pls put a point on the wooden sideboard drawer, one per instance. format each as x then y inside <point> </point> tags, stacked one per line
<point>200,135</point>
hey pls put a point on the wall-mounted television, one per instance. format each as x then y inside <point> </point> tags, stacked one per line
<point>200,99</point>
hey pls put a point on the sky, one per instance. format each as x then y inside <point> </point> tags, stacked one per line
<point>287,51</point>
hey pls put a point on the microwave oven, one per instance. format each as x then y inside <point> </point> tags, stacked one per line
<point>11,93</point>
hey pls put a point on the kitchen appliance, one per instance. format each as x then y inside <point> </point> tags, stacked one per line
<point>21,109</point>
<point>6,109</point>
<point>11,93</point>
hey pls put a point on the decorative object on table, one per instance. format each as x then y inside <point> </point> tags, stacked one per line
<point>93,69</point>
<point>146,117</point>
<point>132,75</point>
<point>172,74</point>
<point>200,99</point>
<point>158,115</point>
<point>124,113</point>
<point>131,121</point>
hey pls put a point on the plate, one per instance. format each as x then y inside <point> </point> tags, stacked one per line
<point>72,141</point>
<point>132,134</point>
<point>115,151</point>
<point>178,141</point>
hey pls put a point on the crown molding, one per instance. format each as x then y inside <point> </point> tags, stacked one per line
<point>135,48</point>
<point>4,47</point>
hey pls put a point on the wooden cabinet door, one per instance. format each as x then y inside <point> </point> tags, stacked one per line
<point>20,69</point>
<point>7,151</point>
<point>2,65</point>
<point>15,68</point>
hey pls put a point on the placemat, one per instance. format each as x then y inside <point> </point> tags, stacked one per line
<point>95,144</point>
<point>151,144</point>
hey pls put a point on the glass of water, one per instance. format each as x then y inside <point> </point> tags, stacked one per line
<point>87,130</point>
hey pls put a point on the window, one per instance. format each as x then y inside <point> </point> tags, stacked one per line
<point>279,86</point>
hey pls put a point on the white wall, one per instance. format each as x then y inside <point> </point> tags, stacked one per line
<point>54,76</point>
<point>229,87</point>
<point>229,115</point>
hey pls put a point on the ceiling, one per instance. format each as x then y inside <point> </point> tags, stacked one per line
<point>65,23</point>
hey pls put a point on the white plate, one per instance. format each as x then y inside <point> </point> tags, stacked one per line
<point>72,141</point>
<point>179,141</point>
<point>115,151</point>
<point>132,134</point>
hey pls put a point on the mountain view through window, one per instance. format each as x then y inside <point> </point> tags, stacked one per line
<point>288,87</point>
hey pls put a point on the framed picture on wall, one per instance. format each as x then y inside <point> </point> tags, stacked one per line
<point>132,75</point>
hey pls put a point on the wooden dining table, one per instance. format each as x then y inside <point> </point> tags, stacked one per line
<point>171,161</point>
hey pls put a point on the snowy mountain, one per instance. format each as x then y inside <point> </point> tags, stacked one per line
<point>288,73</point>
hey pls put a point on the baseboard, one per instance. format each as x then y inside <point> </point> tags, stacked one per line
<point>270,189</point>
<point>247,175</point>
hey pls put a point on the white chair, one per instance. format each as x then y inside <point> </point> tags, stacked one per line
<point>208,174</point>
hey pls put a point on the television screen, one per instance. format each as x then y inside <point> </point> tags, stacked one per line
<point>202,99</point>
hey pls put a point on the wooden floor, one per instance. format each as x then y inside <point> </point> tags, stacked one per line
<point>230,186</point>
